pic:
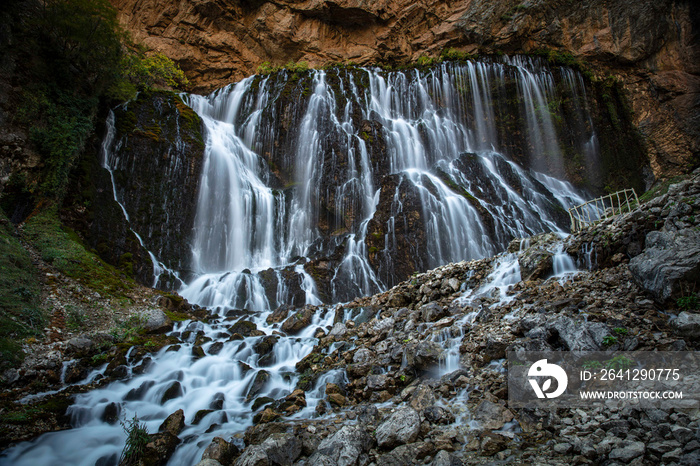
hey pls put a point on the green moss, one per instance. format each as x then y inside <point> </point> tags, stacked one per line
<point>452,54</point>
<point>177,316</point>
<point>62,248</point>
<point>20,316</point>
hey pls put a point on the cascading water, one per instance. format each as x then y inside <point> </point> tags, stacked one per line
<point>318,179</point>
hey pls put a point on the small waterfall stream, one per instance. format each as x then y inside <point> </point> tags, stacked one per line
<point>280,190</point>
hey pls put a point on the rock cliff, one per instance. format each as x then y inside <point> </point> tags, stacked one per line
<point>651,46</point>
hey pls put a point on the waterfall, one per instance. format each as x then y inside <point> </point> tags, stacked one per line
<point>320,187</point>
<point>296,166</point>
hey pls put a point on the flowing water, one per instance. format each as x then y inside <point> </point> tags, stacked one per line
<point>284,184</point>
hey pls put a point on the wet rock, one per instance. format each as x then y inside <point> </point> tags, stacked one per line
<point>111,413</point>
<point>172,392</point>
<point>216,348</point>
<point>75,373</point>
<point>262,401</point>
<point>381,326</point>
<point>279,315</point>
<point>264,347</point>
<point>160,448</point>
<point>257,385</point>
<point>298,321</point>
<point>173,423</point>
<point>399,428</point>
<point>292,403</point>
<point>422,355</point>
<point>245,328</point>
<point>670,261</point>
<point>198,352</point>
<point>199,415</point>
<point>266,415</point>
<point>347,447</point>
<point>438,415</point>
<point>217,401</point>
<point>139,392</point>
<point>337,400</point>
<point>155,321</point>
<point>221,451</point>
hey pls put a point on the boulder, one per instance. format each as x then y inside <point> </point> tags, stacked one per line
<point>400,428</point>
<point>220,450</point>
<point>155,321</point>
<point>173,423</point>
<point>172,392</point>
<point>422,397</point>
<point>298,321</point>
<point>669,262</point>
<point>344,448</point>
<point>423,355</point>
<point>579,335</point>
<point>257,385</point>
<point>492,416</point>
<point>687,325</point>
<point>627,451</point>
<point>160,448</point>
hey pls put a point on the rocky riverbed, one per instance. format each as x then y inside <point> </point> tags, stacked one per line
<point>419,371</point>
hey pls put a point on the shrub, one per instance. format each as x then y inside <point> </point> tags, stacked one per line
<point>136,440</point>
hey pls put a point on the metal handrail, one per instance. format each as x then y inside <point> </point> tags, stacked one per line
<point>601,208</point>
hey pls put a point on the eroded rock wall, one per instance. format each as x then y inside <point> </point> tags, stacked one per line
<point>651,46</point>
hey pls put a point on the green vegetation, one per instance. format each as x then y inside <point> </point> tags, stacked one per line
<point>136,440</point>
<point>660,189</point>
<point>452,54</point>
<point>592,365</point>
<point>620,331</point>
<point>128,329</point>
<point>609,340</point>
<point>80,58</point>
<point>619,363</point>
<point>75,319</point>
<point>293,67</point>
<point>688,303</point>
<point>62,248</point>
<point>20,316</point>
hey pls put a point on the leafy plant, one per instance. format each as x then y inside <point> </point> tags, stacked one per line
<point>688,303</point>
<point>619,363</point>
<point>609,340</point>
<point>136,440</point>
<point>592,365</point>
<point>620,331</point>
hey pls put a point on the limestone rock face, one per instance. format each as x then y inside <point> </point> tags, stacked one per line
<point>670,261</point>
<point>650,45</point>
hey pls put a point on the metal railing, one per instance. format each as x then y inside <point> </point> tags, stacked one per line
<point>602,208</point>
